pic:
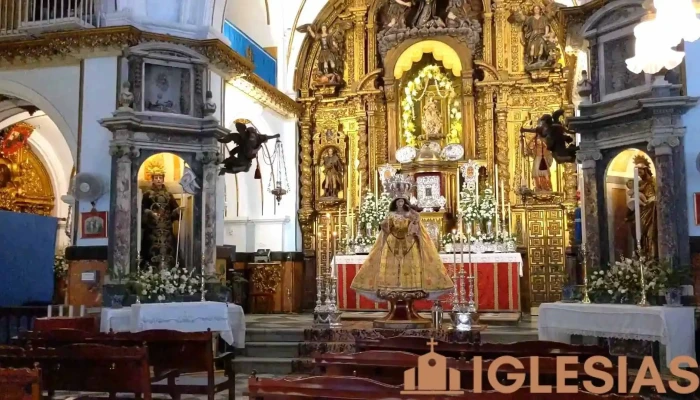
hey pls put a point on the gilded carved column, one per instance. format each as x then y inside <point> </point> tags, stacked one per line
<point>502,148</point>
<point>358,17</point>
<point>362,144</point>
<point>210,165</point>
<point>468,128</point>
<point>589,160</point>
<point>124,219</point>
<point>570,177</point>
<point>488,36</point>
<point>391,119</point>
<point>666,210</point>
<point>306,209</point>
<point>500,17</point>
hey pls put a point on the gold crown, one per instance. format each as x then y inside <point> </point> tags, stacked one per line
<point>400,186</point>
<point>156,166</point>
<point>641,161</point>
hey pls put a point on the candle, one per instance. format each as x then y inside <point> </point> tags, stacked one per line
<point>497,203</point>
<point>637,215</point>
<point>469,252</point>
<point>376,192</point>
<point>583,212</point>
<point>459,191</point>
<point>204,218</point>
<point>359,187</point>
<point>60,310</point>
<point>510,218</point>
<point>461,261</point>
<point>477,185</point>
<point>503,202</point>
<point>82,310</point>
<point>70,311</point>
<point>49,311</point>
<point>139,200</point>
<point>335,249</point>
<point>328,236</point>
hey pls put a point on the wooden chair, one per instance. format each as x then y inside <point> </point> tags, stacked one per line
<point>87,368</point>
<point>355,388</point>
<point>20,384</point>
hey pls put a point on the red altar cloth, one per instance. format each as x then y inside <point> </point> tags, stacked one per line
<point>497,282</point>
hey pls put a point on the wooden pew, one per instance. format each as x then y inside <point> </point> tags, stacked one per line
<point>20,384</point>
<point>87,368</point>
<point>170,352</point>
<point>87,324</point>
<point>419,345</point>
<point>389,367</point>
<point>356,388</point>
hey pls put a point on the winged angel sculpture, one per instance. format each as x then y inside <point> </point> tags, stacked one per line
<point>249,141</point>
<point>557,137</point>
<point>332,54</point>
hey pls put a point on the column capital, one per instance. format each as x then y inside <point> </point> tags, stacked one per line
<point>663,145</point>
<point>589,157</point>
<point>124,151</point>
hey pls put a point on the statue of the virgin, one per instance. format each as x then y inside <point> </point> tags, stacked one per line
<point>404,265</point>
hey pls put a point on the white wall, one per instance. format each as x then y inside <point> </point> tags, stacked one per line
<point>250,16</point>
<point>99,101</point>
<point>254,220</point>
<point>691,120</point>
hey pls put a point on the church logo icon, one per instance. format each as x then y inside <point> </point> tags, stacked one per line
<point>433,376</point>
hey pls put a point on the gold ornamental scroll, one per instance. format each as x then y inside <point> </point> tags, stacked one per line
<point>25,185</point>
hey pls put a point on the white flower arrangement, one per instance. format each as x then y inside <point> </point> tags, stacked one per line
<point>365,241</point>
<point>621,282</point>
<point>162,284</point>
<point>60,265</point>
<point>468,207</point>
<point>451,238</point>
<point>487,205</point>
<point>373,211</point>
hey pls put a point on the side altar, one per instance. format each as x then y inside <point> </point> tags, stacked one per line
<point>497,282</point>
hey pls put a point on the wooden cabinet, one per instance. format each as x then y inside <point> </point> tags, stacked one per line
<point>275,287</point>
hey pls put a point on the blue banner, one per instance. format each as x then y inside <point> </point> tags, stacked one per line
<point>27,249</point>
<point>265,64</point>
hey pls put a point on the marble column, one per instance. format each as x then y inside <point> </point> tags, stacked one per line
<point>124,215</point>
<point>590,212</point>
<point>210,161</point>
<point>666,210</point>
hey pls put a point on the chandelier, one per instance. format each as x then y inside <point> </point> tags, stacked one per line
<point>279,184</point>
<point>673,21</point>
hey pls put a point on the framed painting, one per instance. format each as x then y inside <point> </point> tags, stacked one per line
<point>93,225</point>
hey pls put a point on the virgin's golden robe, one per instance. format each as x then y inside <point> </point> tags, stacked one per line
<point>402,261</point>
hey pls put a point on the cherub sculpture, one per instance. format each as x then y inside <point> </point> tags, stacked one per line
<point>249,142</point>
<point>556,136</point>
<point>332,54</point>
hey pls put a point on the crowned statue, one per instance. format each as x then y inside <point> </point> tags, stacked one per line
<point>404,265</point>
<point>647,207</point>
<point>160,210</point>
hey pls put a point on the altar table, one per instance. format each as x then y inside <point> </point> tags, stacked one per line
<point>673,327</point>
<point>226,319</point>
<point>497,282</point>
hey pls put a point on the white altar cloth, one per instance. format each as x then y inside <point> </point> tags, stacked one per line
<point>226,319</point>
<point>673,327</point>
<point>446,258</point>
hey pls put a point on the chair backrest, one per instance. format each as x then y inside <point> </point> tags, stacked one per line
<point>94,368</point>
<point>20,384</point>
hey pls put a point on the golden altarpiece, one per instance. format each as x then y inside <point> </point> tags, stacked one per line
<point>424,87</point>
<point>25,184</point>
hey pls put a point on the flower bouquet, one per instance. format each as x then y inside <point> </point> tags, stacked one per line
<point>363,244</point>
<point>621,282</point>
<point>452,242</point>
<point>167,283</point>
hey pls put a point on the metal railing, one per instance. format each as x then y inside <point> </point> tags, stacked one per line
<point>36,16</point>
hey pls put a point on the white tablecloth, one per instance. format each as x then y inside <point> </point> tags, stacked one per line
<point>227,320</point>
<point>481,258</point>
<point>673,327</point>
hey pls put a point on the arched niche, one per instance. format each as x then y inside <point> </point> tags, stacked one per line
<point>619,202</point>
<point>401,59</point>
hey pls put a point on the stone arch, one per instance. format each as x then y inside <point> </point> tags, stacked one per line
<point>593,25</point>
<point>21,91</point>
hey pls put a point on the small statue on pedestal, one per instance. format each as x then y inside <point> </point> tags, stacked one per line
<point>160,210</point>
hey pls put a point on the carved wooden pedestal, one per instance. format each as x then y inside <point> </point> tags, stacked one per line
<point>402,314</point>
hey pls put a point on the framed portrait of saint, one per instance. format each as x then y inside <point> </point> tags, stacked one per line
<point>93,225</point>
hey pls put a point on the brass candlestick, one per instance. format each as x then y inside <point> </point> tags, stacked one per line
<point>201,288</point>
<point>586,299</point>
<point>643,302</point>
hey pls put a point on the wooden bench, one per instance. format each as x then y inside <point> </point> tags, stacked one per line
<point>466,351</point>
<point>356,388</point>
<point>87,368</point>
<point>169,352</point>
<point>389,367</point>
<point>20,384</point>
<point>87,324</point>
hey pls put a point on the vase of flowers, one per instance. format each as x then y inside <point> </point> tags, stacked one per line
<point>675,279</point>
<point>621,282</point>
<point>166,284</point>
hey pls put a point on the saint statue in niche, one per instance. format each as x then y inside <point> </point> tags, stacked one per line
<point>540,43</point>
<point>431,120</point>
<point>397,13</point>
<point>160,210</point>
<point>333,170</point>
<point>426,15</point>
<point>647,207</point>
